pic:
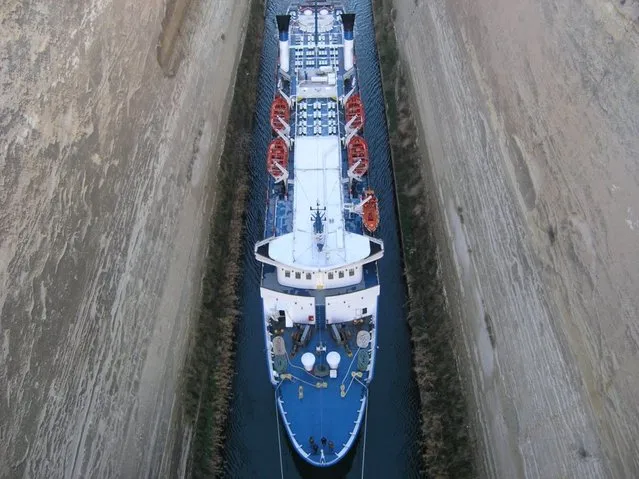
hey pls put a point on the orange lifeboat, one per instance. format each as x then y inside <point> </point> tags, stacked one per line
<point>277,155</point>
<point>358,151</point>
<point>279,109</point>
<point>370,211</point>
<point>355,108</point>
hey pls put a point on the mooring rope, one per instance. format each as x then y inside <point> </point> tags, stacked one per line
<point>277,420</point>
<point>305,382</point>
<point>350,366</point>
<point>365,430</point>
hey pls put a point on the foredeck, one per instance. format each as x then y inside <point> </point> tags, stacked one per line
<point>322,412</point>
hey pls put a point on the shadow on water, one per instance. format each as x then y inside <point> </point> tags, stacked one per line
<point>390,447</point>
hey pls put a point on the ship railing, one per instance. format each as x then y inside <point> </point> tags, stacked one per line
<point>356,208</point>
<point>288,99</point>
<point>284,75</point>
<point>345,98</point>
<point>350,132</point>
<point>284,134</point>
<point>352,174</point>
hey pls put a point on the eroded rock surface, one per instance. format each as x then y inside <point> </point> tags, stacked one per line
<point>105,172</point>
<point>530,111</point>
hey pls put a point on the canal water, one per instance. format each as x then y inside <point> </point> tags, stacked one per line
<point>390,448</point>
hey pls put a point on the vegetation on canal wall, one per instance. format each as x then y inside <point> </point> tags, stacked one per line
<point>446,441</point>
<point>209,368</point>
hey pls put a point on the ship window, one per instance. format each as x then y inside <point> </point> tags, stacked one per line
<point>351,272</point>
<point>341,274</point>
<point>330,275</point>
<point>298,275</point>
<point>287,274</point>
<point>308,275</point>
<point>364,310</point>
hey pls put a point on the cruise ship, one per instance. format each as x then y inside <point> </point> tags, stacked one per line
<point>319,281</point>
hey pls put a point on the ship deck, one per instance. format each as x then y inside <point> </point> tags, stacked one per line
<point>312,405</point>
<point>314,117</point>
<point>322,412</point>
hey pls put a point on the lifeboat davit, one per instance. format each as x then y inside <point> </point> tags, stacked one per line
<point>358,151</point>
<point>279,109</point>
<point>277,155</point>
<point>370,211</point>
<point>355,108</point>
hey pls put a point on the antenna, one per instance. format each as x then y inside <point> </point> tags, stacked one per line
<point>318,217</point>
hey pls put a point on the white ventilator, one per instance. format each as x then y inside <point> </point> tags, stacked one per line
<point>333,359</point>
<point>308,361</point>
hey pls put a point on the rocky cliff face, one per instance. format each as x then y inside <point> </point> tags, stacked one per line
<point>106,167</point>
<point>530,114</point>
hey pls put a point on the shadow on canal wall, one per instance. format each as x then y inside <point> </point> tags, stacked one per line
<point>167,50</point>
<point>446,446</point>
<point>209,368</point>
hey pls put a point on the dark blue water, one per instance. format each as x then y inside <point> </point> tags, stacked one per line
<point>391,448</point>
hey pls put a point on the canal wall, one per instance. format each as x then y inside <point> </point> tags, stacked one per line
<point>445,442</point>
<point>210,367</point>
<point>528,132</point>
<point>112,116</point>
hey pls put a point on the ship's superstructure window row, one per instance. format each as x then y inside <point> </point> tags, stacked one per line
<point>335,278</point>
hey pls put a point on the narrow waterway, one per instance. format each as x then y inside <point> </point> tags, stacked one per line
<point>390,446</point>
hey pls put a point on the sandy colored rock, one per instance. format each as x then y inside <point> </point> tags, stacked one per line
<point>105,173</point>
<point>530,111</point>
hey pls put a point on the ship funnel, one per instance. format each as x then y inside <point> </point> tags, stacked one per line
<point>348,22</point>
<point>282,25</point>
<point>308,361</point>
